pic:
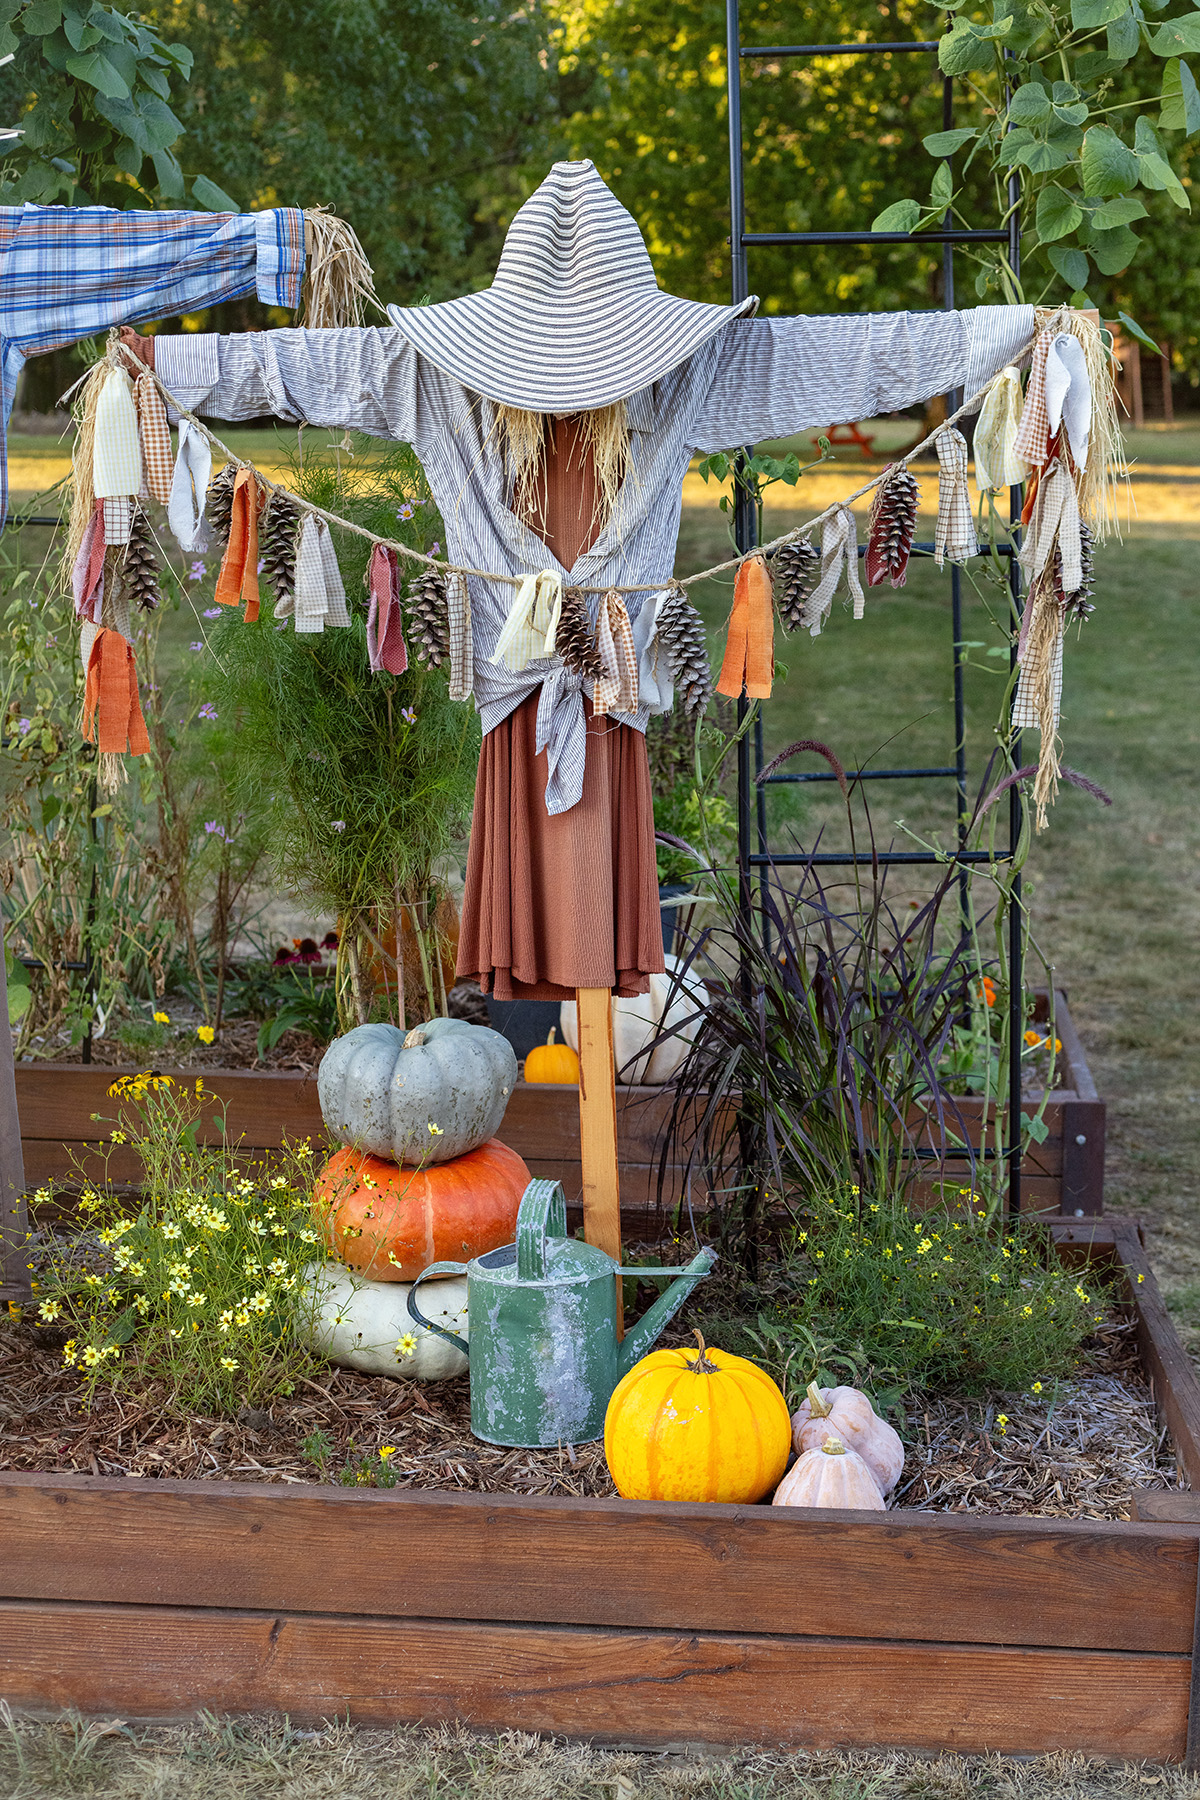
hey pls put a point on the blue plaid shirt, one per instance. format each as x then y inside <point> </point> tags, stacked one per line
<point>69,271</point>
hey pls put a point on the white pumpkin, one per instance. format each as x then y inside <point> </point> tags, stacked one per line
<point>362,1324</point>
<point>638,1021</point>
<point>383,1091</point>
<point>847,1413</point>
<point>830,1474</point>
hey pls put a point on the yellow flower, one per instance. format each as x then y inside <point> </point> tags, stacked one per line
<point>199,1084</point>
<point>1002,1422</point>
<point>924,1245</point>
<point>48,1311</point>
<point>91,1357</point>
<point>386,1450</point>
<point>205,1033</point>
<point>1037,1387</point>
<point>118,1137</point>
<point>229,1362</point>
<point>242,1317</point>
<point>1027,1312</point>
<point>162,1018</point>
<point>435,1130</point>
<point>406,1345</point>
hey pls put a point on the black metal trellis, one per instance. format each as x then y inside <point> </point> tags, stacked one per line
<point>754,854</point>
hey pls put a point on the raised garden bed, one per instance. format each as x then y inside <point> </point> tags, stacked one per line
<point>618,1620</point>
<point>1063,1175</point>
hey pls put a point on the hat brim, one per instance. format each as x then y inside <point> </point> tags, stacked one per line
<point>527,350</point>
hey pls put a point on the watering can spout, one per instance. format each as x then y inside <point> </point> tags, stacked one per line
<point>641,1337</point>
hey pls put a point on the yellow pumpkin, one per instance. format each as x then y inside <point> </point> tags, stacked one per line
<point>553,1062</point>
<point>847,1414</point>
<point>830,1475</point>
<point>696,1425</point>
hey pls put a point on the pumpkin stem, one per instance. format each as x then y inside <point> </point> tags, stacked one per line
<point>833,1447</point>
<point>703,1364</point>
<point>415,1036</point>
<point>816,1405</point>
<point>550,1039</point>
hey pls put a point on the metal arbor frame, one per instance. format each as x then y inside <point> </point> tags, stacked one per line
<point>754,855</point>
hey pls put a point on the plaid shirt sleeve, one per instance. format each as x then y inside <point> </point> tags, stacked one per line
<point>69,271</point>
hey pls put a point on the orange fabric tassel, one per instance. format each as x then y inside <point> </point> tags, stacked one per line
<point>112,711</point>
<point>238,579</point>
<point>750,645</point>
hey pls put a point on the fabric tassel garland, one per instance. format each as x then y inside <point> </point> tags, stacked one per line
<point>428,615</point>
<point>462,648</point>
<point>156,437</point>
<point>386,649</point>
<point>116,446</point>
<point>997,464</point>
<point>189,486</point>
<point>1032,443</point>
<point>320,597</point>
<point>112,711</point>
<point>575,640</point>
<point>891,525</point>
<point>238,577</point>
<point>530,631</point>
<point>795,568</point>
<point>616,690</point>
<point>955,533</point>
<point>118,518</point>
<point>87,577</point>
<point>839,550</point>
<point>681,641</point>
<point>749,659</point>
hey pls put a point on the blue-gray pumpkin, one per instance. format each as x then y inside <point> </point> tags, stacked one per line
<point>436,1093</point>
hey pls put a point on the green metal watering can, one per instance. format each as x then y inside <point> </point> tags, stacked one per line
<point>542,1327</point>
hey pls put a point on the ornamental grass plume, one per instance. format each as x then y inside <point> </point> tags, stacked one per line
<point>203,1288</point>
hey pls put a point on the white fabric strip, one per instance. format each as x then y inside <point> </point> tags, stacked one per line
<point>1069,393</point>
<point>189,486</point>
<point>839,550</point>
<point>997,464</point>
<point>117,457</point>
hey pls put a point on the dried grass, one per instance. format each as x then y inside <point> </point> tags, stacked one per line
<point>254,1759</point>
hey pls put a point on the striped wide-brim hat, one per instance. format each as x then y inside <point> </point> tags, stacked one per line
<point>575,318</point>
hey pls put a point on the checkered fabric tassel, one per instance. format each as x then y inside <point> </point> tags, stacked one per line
<point>891,525</point>
<point>278,538</point>
<point>429,617</point>
<point>682,640</point>
<point>575,640</point>
<point>140,566</point>
<point>1079,605</point>
<point>795,569</point>
<point>219,506</point>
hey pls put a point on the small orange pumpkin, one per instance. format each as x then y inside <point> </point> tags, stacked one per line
<point>688,1426</point>
<point>389,1223</point>
<point>552,1062</point>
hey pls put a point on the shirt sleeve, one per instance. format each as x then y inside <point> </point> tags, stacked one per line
<point>775,377</point>
<point>365,378</point>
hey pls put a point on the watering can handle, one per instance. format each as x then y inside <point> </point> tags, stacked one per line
<point>542,1214</point>
<point>441,1268</point>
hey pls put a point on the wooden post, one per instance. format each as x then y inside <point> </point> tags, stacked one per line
<point>14,1221</point>
<point>598,1126</point>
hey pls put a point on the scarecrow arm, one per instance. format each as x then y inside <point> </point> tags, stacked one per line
<point>779,376</point>
<point>364,378</point>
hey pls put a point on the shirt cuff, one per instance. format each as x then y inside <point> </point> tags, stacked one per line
<point>279,246</point>
<point>188,365</point>
<point>996,336</point>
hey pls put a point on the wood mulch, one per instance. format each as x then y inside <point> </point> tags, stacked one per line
<point>1078,1450</point>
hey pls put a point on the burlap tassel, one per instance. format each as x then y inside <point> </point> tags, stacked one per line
<point>140,566</point>
<point>338,279</point>
<point>575,640</point>
<point>277,543</point>
<point>795,569</point>
<point>683,641</point>
<point>83,493</point>
<point>428,613</point>
<point>891,525</point>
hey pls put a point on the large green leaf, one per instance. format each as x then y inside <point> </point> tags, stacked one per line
<point>945,143</point>
<point>1135,331</point>
<point>1176,37</point>
<point>169,173</point>
<point>1113,251</point>
<point>1108,166</point>
<point>1180,100</point>
<point>1038,158</point>
<point>128,157</point>
<point>42,17</point>
<point>1057,214</point>
<point>1123,37</point>
<point>1086,15</point>
<point>1122,211</point>
<point>95,69</point>
<point>1072,265</point>
<point>1030,105</point>
<point>207,194</point>
<point>963,49</point>
<point>941,188</point>
<point>127,118</point>
<point>901,215</point>
<point>162,127</point>
<point>1158,175</point>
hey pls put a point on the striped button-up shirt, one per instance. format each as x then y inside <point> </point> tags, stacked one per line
<point>755,379</point>
<point>69,271</point>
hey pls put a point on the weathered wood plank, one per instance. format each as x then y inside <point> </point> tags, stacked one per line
<point>1081,1158</point>
<point>946,1579</point>
<point>1173,1379</point>
<point>1176,1506</point>
<point>648,1687</point>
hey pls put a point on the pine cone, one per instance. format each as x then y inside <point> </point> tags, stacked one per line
<point>795,569</point>
<point>1080,604</point>
<point>139,565</point>
<point>575,640</point>
<point>278,535</point>
<point>682,637</point>
<point>891,525</point>
<point>428,612</point>
<point>218,506</point>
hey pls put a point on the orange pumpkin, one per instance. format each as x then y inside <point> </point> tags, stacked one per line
<point>389,1223</point>
<point>552,1062</point>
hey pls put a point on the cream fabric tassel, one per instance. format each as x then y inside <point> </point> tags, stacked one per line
<point>617,689</point>
<point>117,448</point>
<point>320,598</point>
<point>462,648</point>
<point>528,633</point>
<point>955,534</point>
<point>1055,523</point>
<point>997,464</point>
<point>839,549</point>
<point>189,486</point>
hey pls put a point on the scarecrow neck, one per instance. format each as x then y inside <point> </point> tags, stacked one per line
<point>566,473</point>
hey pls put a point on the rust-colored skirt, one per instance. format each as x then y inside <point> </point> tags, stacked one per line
<point>558,903</point>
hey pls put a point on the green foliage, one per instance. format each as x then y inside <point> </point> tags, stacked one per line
<point>91,87</point>
<point>205,1289</point>
<point>756,474</point>
<point>939,1300</point>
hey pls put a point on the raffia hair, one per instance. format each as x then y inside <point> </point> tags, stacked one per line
<point>603,432</point>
